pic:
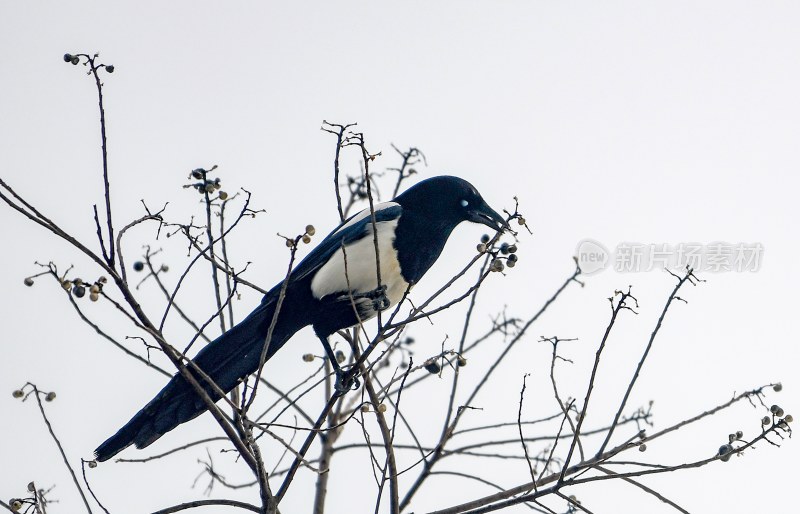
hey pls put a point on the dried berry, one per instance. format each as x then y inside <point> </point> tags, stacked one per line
<point>79,291</point>
<point>310,230</point>
<point>110,68</point>
<point>432,366</point>
<point>28,281</point>
<point>497,265</point>
<point>18,393</point>
<point>340,356</point>
<point>308,357</point>
<point>138,266</point>
<point>485,238</point>
<point>382,407</point>
<point>49,397</point>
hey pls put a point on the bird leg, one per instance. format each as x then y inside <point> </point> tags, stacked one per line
<point>345,380</point>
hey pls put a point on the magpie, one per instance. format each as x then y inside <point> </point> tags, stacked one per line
<point>334,287</point>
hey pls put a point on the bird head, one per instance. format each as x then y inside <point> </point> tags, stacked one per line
<point>451,200</point>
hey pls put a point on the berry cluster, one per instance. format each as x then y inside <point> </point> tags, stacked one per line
<point>305,237</point>
<point>508,251</point>
<point>207,184</point>
<point>78,287</point>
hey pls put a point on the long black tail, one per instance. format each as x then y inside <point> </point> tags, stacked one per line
<point>226,360</point>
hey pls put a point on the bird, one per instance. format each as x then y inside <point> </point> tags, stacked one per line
<point>334,287</point>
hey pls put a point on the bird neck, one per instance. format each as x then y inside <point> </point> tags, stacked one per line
<point>420,240</point>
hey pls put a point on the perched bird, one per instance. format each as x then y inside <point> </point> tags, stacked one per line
<point>333,288</point>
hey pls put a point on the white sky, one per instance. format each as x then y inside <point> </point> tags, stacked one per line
<point>650,122</point>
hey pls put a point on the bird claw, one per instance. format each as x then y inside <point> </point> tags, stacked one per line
<point>380,300</point>
<point>345,382</point>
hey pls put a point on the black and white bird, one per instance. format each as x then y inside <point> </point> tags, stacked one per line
<point>412,231</point>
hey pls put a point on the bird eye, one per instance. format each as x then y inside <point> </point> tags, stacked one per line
<point>464,203</point>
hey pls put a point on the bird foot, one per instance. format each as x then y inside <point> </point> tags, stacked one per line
<point>378,296</point>
<point>346,381</point>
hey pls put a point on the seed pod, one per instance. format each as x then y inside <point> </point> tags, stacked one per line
<point>94,297</point>
<point>308,357</point>
<point>310,230</point>
<point>50,397</point>
<point>92,463</point>
<point>382,407</point>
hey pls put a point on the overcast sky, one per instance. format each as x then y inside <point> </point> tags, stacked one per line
<point>627,124</point>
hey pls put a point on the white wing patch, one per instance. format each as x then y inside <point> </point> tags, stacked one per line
<point>361,268</point>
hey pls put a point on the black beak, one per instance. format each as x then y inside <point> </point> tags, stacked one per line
<point>485,215</point>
